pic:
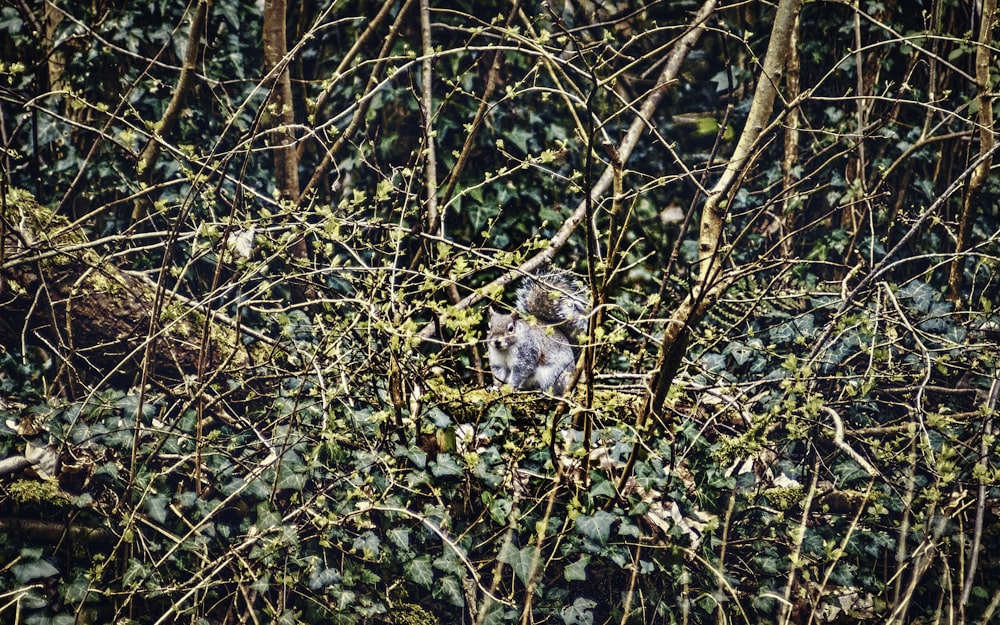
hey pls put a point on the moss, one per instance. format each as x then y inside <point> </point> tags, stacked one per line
<point>186,322</point>
<point>35,491</point>
<point>225,337</point>
<point>99,282</point>
<point>784,498</point>
<point>37,222</point>
<point>411,614</point>
<point>182,319</point>
<point>466,404</point>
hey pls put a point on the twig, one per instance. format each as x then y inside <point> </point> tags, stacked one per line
<point>888,260</point>
<point>536,558</point>
<point>362,103</point>
<point>628,144</point>
<point>984,96</point>
<point>484,103</point>
<point>841,444</point>
<point>977,532</point>
<point>508,541</point>
<point>167,124</point>
<point>798,537</point>
<point>991,608</point>
<point>447,540</point>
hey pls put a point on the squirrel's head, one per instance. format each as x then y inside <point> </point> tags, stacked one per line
<point>502,328</point>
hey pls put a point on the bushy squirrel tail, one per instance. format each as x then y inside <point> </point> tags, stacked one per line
<point>555,297</point>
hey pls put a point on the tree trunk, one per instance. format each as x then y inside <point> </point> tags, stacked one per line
<point>282,138</point>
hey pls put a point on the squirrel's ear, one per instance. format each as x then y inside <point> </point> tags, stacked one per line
<point>514,315</point>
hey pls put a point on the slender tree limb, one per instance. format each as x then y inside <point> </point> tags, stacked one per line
<point>840,553</point>
<point>888,260</point>
<point>484,103</point>
<point>985,96</point>
<point>625,149</point>
<point>841,444</point>
<point>711,283</point>
<point>434,221</point>
<point>919,563</point>
<point>716,203</point>
<point>790,158</point>
<point>635,131</point>
<point>909,492</point>
<point>373,25</point>
<point>354,125</point>
<point>451,543</point>
<point>508,542</point>
<point>13,464</point>
<point>535,570</point>
<point>977,532</point>
<point>53,532</point>
<point>785,609</point>
<point>991,608</point>
<point>171,115</point>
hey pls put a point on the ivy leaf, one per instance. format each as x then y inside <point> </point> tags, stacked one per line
<point>419,571</point>
<point>322,579</point>
<point>490,469</point>
<point>602,487</point>
<point>955,333</point>
<point>156,506</point>
<point>36,569</point>
<point>448,562</point>
<point>578,570</point>
<point>628,529</point>
<point>450,591</point>
<point>498,615</point>
<point>579,613</point>
<point>400,537</point>
<point>439,418</point>
<point>740,352</point>
<point>519,137</point>
<point>266,517</point>
<point>446,465</point>
<point>500,509</point>
<point>920,295</point>
<point>131,408</point>
<point>519,560</point>
<point>367,544</point>
<point>597,527</point>
<point>713,362</point>
<point>802,326</point>
<point>414,454</point>
<point>291,479</point>
<point>135,573</point>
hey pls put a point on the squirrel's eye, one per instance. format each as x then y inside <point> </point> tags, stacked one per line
<point>510,327</point>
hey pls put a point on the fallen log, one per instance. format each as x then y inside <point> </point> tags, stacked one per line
<point>97,321</point>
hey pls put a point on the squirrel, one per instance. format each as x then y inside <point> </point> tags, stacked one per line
<point>536,345</point>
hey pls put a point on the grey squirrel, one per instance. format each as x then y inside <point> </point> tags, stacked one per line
<point>536,345</point>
